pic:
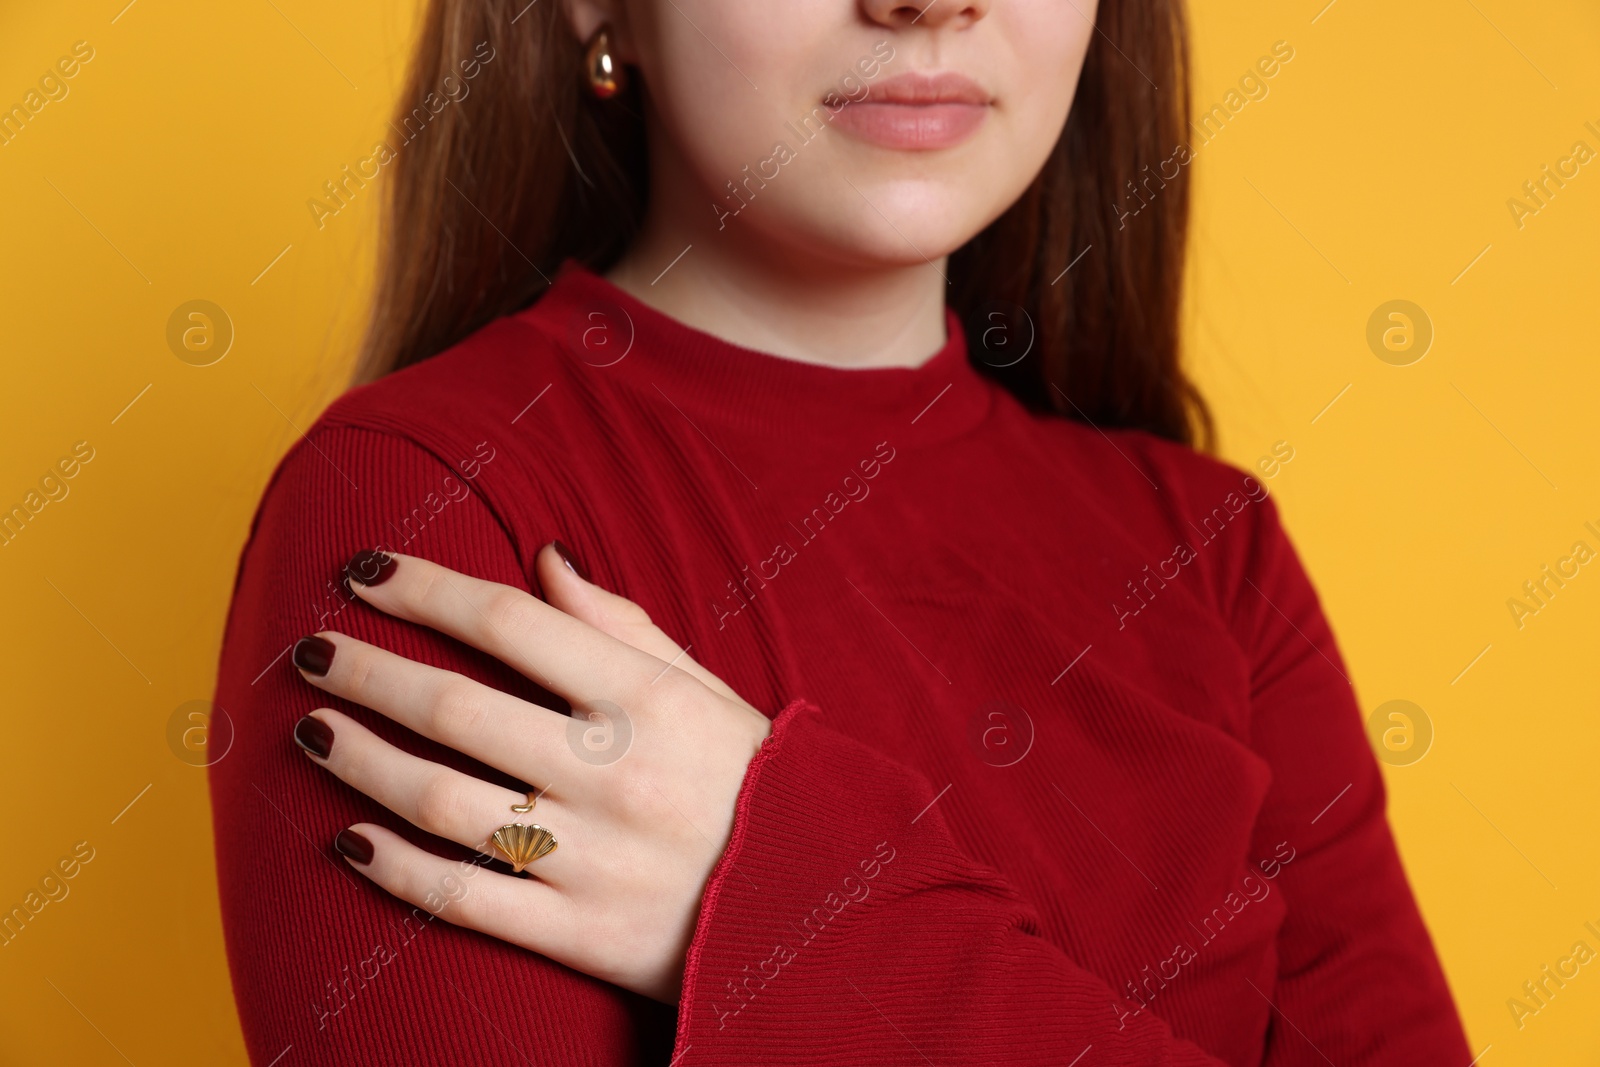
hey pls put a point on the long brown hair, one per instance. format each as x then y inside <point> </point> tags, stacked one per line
<point>486,198</point>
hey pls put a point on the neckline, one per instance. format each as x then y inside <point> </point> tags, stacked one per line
<point>609,332</point>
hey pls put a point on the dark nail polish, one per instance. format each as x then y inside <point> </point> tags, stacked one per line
<point>370,568</point>
<point>349,843</point>
<point>314,655</point>
<point>315,736</point>
<point>570,560</point>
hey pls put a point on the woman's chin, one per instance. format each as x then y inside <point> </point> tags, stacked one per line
<point>901,223</point>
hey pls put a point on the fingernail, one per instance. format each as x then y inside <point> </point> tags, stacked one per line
<point>315,736</point>
<point>570,560</point>
<point>370,568</point>
<point>314,655</point>
<point>351,844</point>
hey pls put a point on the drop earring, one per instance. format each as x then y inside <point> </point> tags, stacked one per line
<point>602,71</point>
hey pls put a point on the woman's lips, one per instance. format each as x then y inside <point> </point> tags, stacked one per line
<point>917,111</point>
<point>912,126</point>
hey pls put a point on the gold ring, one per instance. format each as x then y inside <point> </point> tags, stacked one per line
<point>521,845</point>
<point>523,809</point>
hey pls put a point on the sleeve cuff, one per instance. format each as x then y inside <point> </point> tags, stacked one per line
<point>781,726</point>
<point>818,823</point>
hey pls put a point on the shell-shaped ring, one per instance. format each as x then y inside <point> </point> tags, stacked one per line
<point>521,845</point>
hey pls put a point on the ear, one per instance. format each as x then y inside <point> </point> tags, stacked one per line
<point>586,16</point>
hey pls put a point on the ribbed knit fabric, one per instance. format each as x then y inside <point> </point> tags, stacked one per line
<point>1065,762</point>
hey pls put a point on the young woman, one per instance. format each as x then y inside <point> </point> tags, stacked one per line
<point>981,718</point>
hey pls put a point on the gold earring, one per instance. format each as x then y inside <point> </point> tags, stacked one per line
<point>601,69</point>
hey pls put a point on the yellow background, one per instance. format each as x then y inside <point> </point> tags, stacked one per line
<point>1378,167</point>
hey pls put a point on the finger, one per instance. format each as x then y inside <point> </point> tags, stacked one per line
<point>523,911</point>
<point>561,653</point>
<point>438,799</point>
<point>492,727</point>
<point>567,586</point>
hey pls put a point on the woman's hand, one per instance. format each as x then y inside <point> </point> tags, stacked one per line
<point>640,824</point>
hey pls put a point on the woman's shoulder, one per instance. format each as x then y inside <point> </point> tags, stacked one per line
<point>486,386</point>
<point>1169,498</point>
<point>474,419</point>
<point>1140,470</point>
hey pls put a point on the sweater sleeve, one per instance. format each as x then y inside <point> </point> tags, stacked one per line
<point>1358,979</point>
<point>328,968</point>
<point>845,924</point>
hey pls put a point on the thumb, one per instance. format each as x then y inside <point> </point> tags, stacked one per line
<point>567,588</point>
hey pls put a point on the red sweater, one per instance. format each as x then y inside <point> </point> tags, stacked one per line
<point>1065,762</point>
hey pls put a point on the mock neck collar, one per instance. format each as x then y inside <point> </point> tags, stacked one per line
<point>616,335</point>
